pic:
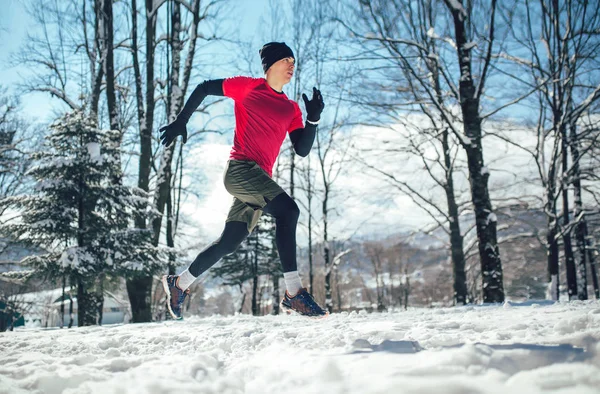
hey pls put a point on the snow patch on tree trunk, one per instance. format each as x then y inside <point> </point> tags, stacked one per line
<point>457,7</point>
<point>469,45</point>
<point>552,290</point>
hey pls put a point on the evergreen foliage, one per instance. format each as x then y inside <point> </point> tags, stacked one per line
<point>79,215</point>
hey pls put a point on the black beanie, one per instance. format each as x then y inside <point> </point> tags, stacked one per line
<point>273,52</point>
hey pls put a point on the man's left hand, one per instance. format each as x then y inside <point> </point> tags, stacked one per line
<point>315,106</point>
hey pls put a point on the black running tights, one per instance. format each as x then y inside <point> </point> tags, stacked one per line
<point>286,213</point>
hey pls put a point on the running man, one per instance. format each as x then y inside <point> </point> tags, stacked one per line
<point>263,116</point>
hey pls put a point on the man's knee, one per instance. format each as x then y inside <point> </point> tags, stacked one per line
<point>283,208</point>
<point>232,237</point>
<point>229,248</point>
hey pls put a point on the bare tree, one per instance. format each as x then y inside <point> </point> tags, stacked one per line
<point>403,42</point>
<point>398,258</point>
<point>332,148</point>
<point>14,140</point>
<point>332,139</point>
<point>584,246</point>
<point>178,81</point>
<point>70,35</point>
<point>139,287</point>
<point>106,40</point>
<point>375,251</point>
<point>337,260</point>
<point>561,53</point>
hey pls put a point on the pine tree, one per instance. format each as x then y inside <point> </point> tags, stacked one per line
<point>79,216</point>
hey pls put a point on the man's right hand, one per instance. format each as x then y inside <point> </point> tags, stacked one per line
<point>171,131</point>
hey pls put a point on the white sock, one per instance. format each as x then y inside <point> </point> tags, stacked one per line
<point>185,280</point>
<point>292,282</point>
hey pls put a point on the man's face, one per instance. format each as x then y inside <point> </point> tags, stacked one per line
<point>283,69</point>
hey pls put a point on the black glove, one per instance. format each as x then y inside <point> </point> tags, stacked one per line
<point>315,106</point>
<point>171,131</point>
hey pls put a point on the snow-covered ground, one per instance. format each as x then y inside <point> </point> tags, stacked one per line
<point>511,348</point>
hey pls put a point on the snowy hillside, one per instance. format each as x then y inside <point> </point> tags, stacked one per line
<point>526,348</point>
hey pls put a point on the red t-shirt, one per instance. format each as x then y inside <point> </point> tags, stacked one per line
<point>262,119</point>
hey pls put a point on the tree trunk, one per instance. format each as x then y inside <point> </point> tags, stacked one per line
<point>406,290</point>
<point>86,305</point>
<point>145,117</point>
<point>81,304</point>
<point>553,272</point>
<point>337,287</point>
<point>456,239</point>
<point>109,70</point>
<point>255,306</point>
<point>380,287</point>
<point>99,71</point>
<point>590,250</point>
<point>99,299</point>
<point>108,63</point>
<point>139,288</point>
<point>175,103</point>
<point>491,265</point>
<point>71,304</point>
<point>170,235</point>
<point>578,216</point>
<point>582,257</point>
<point>326,255</point>
<point>310,243</point>
<point>569,258</point>
<point>62,304</point>
<point>276,296</point>
<point>242,304</point>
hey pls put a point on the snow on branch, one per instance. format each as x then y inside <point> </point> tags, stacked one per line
<point>60,94</point>
<point>469,45</point>
<point>457,7</point>
<point>584,105</point>
<point>432,34</point>
<point>525,62</point>
<point>338,258</point>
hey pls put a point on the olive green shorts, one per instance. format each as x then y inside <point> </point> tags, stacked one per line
<point>252,188</point>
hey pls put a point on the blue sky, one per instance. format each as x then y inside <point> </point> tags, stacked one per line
<point>13,27</point>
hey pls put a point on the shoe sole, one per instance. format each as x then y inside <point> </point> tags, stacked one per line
<point>293,312</point>
<point>166,287</point>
